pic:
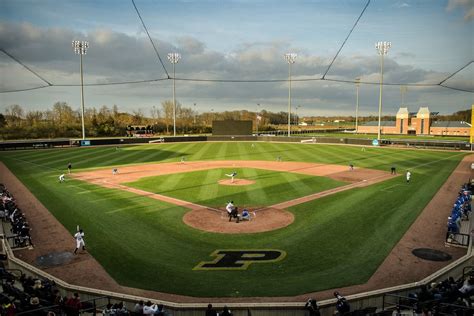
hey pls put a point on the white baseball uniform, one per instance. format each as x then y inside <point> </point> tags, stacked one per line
<point>79,239</point>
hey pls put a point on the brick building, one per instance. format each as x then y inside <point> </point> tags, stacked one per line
<point>419,123</point>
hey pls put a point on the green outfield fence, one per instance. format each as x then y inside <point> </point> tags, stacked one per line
<point>54,143</point>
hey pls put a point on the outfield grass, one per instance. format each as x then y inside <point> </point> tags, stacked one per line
<point>335,241</point>
<point>202,187</point>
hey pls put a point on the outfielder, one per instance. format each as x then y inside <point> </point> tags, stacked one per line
<point>79,240</point>
<point>408,175</point>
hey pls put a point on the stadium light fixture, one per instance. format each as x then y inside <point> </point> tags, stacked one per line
<point>290,59</point>
<point>357,83</point>
<point>174,58</point>
<point>382,49</point>
<point>80,48</point>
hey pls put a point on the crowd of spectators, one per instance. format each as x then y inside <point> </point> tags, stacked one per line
<point>443,298</point>
<point>34,295</point>
<point>9,211</point>
<point>461,210</point>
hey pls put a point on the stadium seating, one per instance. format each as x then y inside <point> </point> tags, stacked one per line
<point>11,213</point>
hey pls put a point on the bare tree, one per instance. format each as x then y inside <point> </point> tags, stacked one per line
<point>14,114</point>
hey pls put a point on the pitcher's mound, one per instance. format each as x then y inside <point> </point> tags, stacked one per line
<point>236,182</point>
<point>217,221</point>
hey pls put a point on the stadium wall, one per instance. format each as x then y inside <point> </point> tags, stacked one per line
<point>358,301</point>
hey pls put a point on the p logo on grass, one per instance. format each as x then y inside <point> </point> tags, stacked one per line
<point>240,259</point>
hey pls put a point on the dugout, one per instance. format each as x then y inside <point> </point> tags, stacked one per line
<point>231,127</point>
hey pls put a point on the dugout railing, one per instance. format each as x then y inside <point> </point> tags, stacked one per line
<point>457,239</point>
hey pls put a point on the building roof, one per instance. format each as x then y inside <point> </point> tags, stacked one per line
<point>450,124</point>
<point>423,112</point>
<point>403,113</point>
<point>382,123</point>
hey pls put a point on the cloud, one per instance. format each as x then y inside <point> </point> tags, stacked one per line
<point>466,5</point>
<point>117,57</point>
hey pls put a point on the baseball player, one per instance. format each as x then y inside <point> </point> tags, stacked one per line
<point>69,167</point>
<point>232,175</point>
<point>229,207</point>
<point>393,170</point>
<point>79,240</point>
<point>408,176</point>
<point>114,171</point>
<point>62,178</point>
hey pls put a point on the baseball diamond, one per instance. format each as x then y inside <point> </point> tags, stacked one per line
<point>150,225</point>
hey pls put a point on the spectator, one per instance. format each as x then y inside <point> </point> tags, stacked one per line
<point>312,307</point>
<point>109,310</point>
<point>467,290</point>
<point>138,308</point>
<point>226,312</point>
<point>149,308</point>
<point>342,306</point>
<point>73,305</point>
<point>210,311</point>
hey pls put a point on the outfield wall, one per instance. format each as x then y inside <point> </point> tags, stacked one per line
<point>407,143</point>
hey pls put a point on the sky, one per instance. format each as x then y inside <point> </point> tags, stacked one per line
<point>234,41</point>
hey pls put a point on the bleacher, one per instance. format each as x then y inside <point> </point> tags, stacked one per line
<point>15,227</point>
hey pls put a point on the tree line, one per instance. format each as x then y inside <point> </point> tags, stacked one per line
<point>63,121</point>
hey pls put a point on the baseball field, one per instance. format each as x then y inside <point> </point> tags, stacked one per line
<point>151,225</point>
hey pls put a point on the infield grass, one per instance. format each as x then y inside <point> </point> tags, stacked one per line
<point>335,241</point>
<point>202,187</point>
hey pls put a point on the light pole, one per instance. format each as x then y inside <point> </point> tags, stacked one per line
<point>195,113</point>
<point>296,115</point>
<point>357,82</point>
<point>174,58</point>
<point>80,48</point>
<point>382,49</point>
<point>257,116</point>
<point>290,58</point>
<point>403,91</point>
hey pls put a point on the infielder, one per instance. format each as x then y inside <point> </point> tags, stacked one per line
<point>408,176</point>
<point>62,178</point>
<point>69,167</point>
<point>79,240</point>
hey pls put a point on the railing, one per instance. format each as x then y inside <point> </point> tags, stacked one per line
<point>406,303</point>
<point>467,271</point>
<point>457,239</point>
<point>91,306</point>
<point>17,241</point>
